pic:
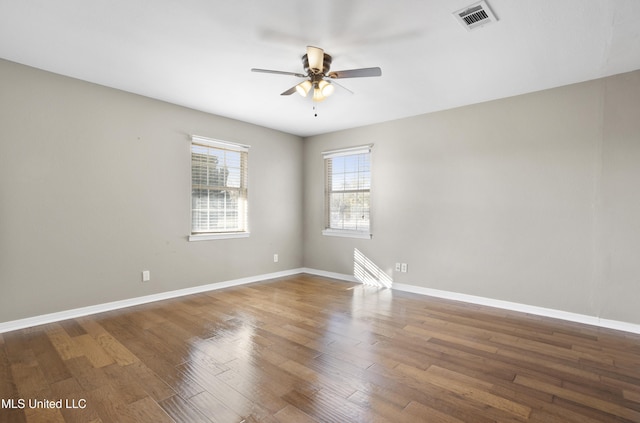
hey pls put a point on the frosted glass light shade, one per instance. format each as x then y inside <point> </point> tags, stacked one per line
<point>326,88</point>
<point>317,95</point>
<point>303,88</point>
<point>315,55</point>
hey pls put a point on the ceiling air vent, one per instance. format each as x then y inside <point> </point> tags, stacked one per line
<point>476,15</point>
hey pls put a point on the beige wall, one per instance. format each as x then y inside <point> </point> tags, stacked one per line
<point>533,199</point>
<point>95,188</point>
<point>618,263</point>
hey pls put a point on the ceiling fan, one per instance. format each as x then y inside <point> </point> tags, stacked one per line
<point>317,75</point>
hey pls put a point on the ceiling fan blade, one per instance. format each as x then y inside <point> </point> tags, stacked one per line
<point>290,90</point>
<point>342,86</point>
<point>277,72</point>
<point>315,56</point>
<point>356,73</point>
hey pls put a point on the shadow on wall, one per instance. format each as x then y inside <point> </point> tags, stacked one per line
<point>366,271</point>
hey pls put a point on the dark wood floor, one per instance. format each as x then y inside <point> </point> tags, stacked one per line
<point>309,349</point>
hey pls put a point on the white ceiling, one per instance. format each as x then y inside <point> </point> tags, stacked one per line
<point>198,53</point>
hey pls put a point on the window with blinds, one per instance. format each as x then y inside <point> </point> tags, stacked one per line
<point>347,192</point>
<point>219,199</point>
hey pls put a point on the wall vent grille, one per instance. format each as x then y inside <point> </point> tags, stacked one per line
<point>475,15</point>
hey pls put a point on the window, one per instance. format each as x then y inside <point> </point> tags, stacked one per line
<point>218,189</point>
<point>347,192</point>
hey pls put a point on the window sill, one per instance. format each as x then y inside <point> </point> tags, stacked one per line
<point>347,234</point>
<point>210,237</point>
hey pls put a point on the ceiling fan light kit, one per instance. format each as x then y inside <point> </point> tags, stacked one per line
<point>326,88</point>
<point>304,87</point>
<point>316,64</point>
<point>322,90</point>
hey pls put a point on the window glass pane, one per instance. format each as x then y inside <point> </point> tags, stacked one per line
<point>219,192</point>
<point>199,149</point>
<point>351,163</point>
<point>351,181</point>
<point>337,182</point>
<point>233,177</point>
<point>364,180</point>
<point>348,184</point>
<point>337,164</point>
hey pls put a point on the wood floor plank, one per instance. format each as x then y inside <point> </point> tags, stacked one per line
<point>62,342</point>
<point>430,395</point>
<point>12,415</point>
<point>108,403</point>
<point>258,389</point>
<point>93,351</point>
<point>153,385</point>
<point>50,362</point>
<point>145,410</point>
<point>215,409</point>
<point>325,407</point>
<point>71,392</point>
<point>631,395</point>
<point>291,414</point>
<point>427,334</point>
<point>49,415</point>
<point>17,349</point>
<point>181,410</point>
<point>311,349</point>
<point>118,352</point>
<point>580,398</point>
<point>125,383</point>
<point>30,381</point>
<point>72,327</point>
<point>9,392</point>
<point>551,350</point>
<point>183,381</point>
<point>467,390</point>
<point>417,411</point>
<point>541,362</point>
<point>7,382</point>
<point>383,407</point>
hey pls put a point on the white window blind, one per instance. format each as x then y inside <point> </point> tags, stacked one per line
<point>347,192</point>
<point>219,195</point>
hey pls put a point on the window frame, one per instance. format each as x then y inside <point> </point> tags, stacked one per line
<point>341,232</point>
<point>243,149</point>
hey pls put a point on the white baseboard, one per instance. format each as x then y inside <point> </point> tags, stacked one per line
<point>490,302</point>
<point>332,275</point>
<point>100,308</point>
<point>506,305</point>
<point>523,308</point>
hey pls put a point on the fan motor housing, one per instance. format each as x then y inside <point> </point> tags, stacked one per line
<point>326,64</point>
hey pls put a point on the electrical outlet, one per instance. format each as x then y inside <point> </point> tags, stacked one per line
<point>397,267</point>
<point>146,276</point>
<point>275,258</point>
<point>403,268</point>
